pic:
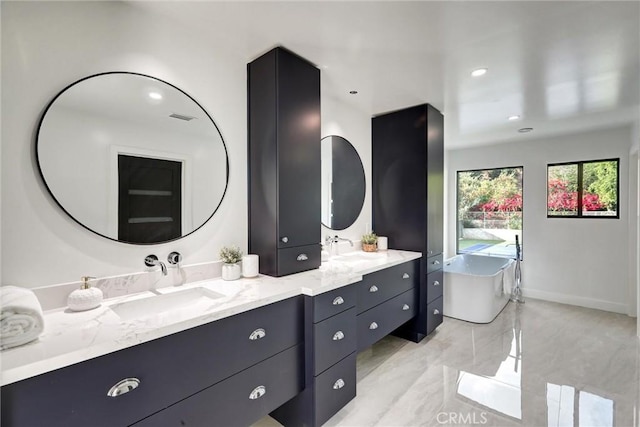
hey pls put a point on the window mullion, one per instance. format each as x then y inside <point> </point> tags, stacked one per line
<point>579,195</point>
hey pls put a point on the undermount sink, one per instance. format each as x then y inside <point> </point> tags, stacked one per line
<point>357,257</point>
<point>154,305</point>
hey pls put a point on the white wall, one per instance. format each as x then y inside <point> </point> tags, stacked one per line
<point>576,261</point>
<point>338,118</point>
<point>48,45</point>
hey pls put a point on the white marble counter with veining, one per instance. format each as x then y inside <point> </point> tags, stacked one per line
<point>73,337</point>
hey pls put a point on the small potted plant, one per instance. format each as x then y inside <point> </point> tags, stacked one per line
<point>231,257</point>
<point>369,242</point>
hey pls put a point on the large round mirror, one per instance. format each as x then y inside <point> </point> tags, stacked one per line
<point>132,158</point>
<point>343,184</point>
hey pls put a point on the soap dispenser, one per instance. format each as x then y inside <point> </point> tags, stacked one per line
<point>86,297</point>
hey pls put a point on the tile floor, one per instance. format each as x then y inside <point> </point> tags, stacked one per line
<point>537,364</point>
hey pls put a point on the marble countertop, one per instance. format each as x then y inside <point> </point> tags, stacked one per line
<point>72,337</point>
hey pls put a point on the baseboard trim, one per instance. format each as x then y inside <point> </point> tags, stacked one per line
<point>575,300</point>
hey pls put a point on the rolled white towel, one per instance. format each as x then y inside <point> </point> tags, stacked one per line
<point>21,319</point>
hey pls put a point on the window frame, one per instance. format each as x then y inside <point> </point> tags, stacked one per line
<point>458,199</point>
<point>580,189</point>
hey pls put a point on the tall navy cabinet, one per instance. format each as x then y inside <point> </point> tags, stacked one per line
<point>284,162</point>
<point>407,184</point>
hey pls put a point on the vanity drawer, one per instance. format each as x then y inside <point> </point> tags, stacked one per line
<point>434,263</point>
<point>334,389</point>
<point>434,315</point>
<point>378,322</point>
<point>434,285</point>
<point>168,368</point>
<point>333,302</point>
<point>240,400</point>
<point>333,339</point>
<point>299,258</point>
<point>382,285</point>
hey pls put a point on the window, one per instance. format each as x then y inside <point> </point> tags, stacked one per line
<point>583,189</point>
<point>489,211</point>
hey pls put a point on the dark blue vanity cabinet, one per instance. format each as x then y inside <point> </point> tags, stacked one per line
<point>229,372</point>
<point>330,350</point>
<point>387,299</point>
<point>341,323</point>
<point>284,162</point>
<point>407,193</point>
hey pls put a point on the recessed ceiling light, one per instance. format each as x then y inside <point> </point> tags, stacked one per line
<point>155,95</point>
<point>514,117</point>
<point>479,72</point>
<point>525,130</point>
<point>353,92</point>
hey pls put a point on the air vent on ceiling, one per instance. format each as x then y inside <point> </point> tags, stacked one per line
<point>181,117</point>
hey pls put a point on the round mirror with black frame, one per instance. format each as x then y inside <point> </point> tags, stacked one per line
<point>132,158</point>
<point>343,183</point>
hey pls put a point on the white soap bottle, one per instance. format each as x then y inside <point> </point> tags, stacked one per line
<point>86,297</point>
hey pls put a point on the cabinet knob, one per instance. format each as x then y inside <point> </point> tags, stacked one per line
<point>338,301</point>
<point>257,334</point>
<point>338,384</point>
<point>405,307</point>
<point>373,326</point>
<point>406,276</point>
<point>338,336</point>
<point>436,283</point>
<point>124,386</point>
<point>285,239</point>
<point>430,252</point>
<point>436,312</point>
<point>373,289</point>
<point>258,392</point>
<point>302,257</point>
<point>436,262</point>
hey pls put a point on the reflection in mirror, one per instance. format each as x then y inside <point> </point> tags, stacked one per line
<point>343,183</point>
<point>132,158</point>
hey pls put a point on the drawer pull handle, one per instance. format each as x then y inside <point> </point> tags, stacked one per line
<point>257,334</point>
<point>338,384</point>
<point>436,262</point>
<point>436,283</point>
<point>373,289</point>
<point>405,307</point>
<point>285,239</point>
<point>373,326</point>
<point>338,301</point>
<point>258,392</point>
<point>436,312</point>
<point>406,276</point>
<point>124,386</point>
<point>302,257</point>
<point>338,336</point>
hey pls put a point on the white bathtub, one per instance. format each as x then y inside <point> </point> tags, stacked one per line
<point>474,287</point>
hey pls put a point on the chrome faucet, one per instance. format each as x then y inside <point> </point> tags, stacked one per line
<point>331,241</point>
<point>153,261</point>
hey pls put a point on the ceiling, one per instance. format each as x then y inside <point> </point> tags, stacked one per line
<point>562,66</point>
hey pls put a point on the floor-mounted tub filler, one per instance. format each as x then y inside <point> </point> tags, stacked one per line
<point>516,290</point>
<point>475,286</point>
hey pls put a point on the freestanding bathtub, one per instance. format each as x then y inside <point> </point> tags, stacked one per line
<point>474,286</point>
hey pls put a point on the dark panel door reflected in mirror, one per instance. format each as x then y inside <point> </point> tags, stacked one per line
<point>343,183</point>
<point>149,199</point>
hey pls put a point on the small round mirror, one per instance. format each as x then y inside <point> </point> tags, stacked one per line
<point>343,183</point>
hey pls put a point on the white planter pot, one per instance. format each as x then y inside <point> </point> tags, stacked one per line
<point>231,271</point>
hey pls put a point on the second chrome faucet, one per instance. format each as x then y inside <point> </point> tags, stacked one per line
<point>332,241</point>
